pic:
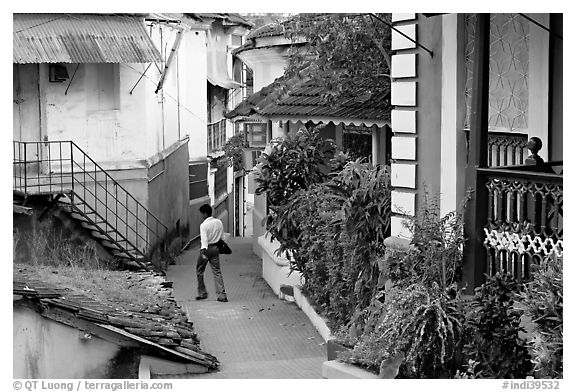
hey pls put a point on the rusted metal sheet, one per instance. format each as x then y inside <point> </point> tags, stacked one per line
<point>82,38</point>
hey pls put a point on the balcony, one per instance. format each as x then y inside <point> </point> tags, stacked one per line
<point>524,220</point>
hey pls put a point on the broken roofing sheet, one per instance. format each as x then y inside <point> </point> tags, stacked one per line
<point>160,327</point>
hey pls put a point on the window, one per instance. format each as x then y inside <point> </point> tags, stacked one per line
<point>103,86</point>
<point>216,135</point>
<point>357,141</point>
<point>197,174</point>
<point>256,134</point>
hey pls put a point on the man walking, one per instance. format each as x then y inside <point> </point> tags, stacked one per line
<point>211,231</point>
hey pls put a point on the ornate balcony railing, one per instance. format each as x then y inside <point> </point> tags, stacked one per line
<point>524,222</point>
<point>505,148</point>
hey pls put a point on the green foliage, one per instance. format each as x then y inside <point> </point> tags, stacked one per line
<point>340,226</point>
<point>294,163</point>
<point>416,321</point>
<point>544,302</point>
<point>233,150</point>
<point>364,193</point>
<point>331,215</point>
<point>421,315</point>
<point>435,256</point>
<point>334,42</point>
<point>492,329</point>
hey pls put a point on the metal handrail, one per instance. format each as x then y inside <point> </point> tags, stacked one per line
<point>110,199</point>
<point>116,182</point>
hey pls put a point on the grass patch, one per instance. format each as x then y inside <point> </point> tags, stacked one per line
<point>50,256</point>
<point>50,246</point>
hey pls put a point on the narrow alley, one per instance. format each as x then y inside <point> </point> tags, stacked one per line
<point>255,335</point>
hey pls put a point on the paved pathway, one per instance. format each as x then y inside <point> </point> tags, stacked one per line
<point>255,334</point>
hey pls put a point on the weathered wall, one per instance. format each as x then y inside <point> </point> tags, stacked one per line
<point>43,348</point>
<point>115,118</point>
<point>168,190</point>
<point>97,112</point>
<point>194,216</point>
<point>26,104</point>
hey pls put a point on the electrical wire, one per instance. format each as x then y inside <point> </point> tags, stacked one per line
<point>168,95</point>
<point>39,24</point>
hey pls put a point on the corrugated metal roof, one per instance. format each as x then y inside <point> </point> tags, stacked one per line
<point>82,38</point>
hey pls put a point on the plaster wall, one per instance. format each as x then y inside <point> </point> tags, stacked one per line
<point>429,98</point>
<point>267,64</point>
<point>43,348</point>
<point>185,90</point>
<point>111,124</point>
<point>168,189</point>
<point>267,73</point>
<point>98,113</point>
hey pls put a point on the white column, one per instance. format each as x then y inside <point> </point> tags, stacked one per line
<point>449,123</point>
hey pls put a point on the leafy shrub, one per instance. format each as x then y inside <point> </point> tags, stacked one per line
<point>492,330</point>
<point>331,215</point>
<point>341,225</point>
<point>364,193</point>
<point>294,163</point>
<point>233,150</point>
<point>543,301</point>
<point>422,316</point>
<point>415,321</point>
<point>435,256</point>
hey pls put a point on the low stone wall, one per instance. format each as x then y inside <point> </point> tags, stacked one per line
<point>317,321</point>
<point>275,269</point>
<point>340,370</point>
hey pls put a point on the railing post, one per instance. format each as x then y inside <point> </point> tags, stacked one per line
<point>72,164</point>
<point>25,169</point>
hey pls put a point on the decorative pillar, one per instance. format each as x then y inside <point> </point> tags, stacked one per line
<point>404,164</point>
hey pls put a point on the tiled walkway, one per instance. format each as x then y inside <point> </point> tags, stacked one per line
<point>255,335</point>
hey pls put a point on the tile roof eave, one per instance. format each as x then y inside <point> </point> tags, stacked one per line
<point>327,119</point>
<point>76,309</point>
<point>199,358</point>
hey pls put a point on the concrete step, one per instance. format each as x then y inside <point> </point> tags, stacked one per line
<point>129,254</point>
